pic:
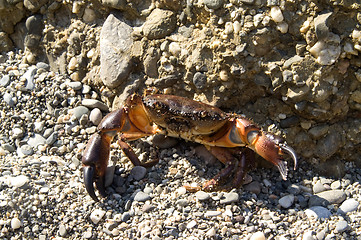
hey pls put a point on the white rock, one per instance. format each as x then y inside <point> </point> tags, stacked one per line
<point>174,48</point>
<point>15,223</point>
<point>276,14</point>
<point>286,201</point>
<point>282,27</point>
<point>258,236</point>
<point>19,181</point>
<point>97,215</point>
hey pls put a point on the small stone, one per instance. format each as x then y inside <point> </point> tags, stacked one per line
<point>79,111</point>
<point>181,202</point>
<point>19,181</point>
<point>141,197</point>
<point>109,175</point>
<point>336,185</point>
<point>308,235</point>
<point>253,187</point>
<point>211,232</point>
<point>348,205</point>
<point>125,216</point>
<point>52,138</point>
<point>138,172</point>
<point>5,80</point>
<point>26,149</point>
<point>9,99</point>
<point>318,212</point>
<point>258,236</point>
<point>212,213</point>
<point>159,24</point>
<point>95,116</point>
<point>213,4</point>
<point>192,224</point>
<point>97,215</point>
<point>333,196</point>
<point>294,189</point>
<point>75,85</point>
<point>36,140</point>
<point>199,80</point>
<point>29,76</point>
<point>15,223</point>
<point>276,14</point>
<point>42,65</point>
<point>62,230</point>
<point>93,103</point>
<point>341,226</point>
<point>318,187</point>
<point>202,196</point>
<point>17,133</point>
<point>229,198</point>
<point>147,207</point>
<point>286,201</point>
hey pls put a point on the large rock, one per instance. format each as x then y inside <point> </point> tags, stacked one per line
<point>115,46</point>
<point>159,24</point>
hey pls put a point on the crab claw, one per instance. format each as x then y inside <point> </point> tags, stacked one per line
<point>95,161</point>
<point>272,148</point>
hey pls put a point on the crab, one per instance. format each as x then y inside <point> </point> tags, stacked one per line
<point>227,136</point>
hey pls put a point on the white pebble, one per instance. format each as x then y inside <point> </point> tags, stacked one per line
<point>15,223</point>
<point>97,215</point>
<point>276,14</point>
<point>236,27</point>
<point>174,48</point>
<point>282,27</point>
<point>19,181</point>
<point>89,15</point>
<point>258,236</point>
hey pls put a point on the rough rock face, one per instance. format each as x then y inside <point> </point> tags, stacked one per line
<point>291,66</point>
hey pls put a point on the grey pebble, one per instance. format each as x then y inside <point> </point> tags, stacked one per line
<point>341,226</point>
<point>333,196</point>
<point>52,138</point>
<point>43,66</point>
<point>141,197</point>
<point>93,103</point>
<point>95,116</point>
<point>8,147</point>
<point>29,76</point>
<point>109,175</point>
<point>26,150</point>
<point>287,201</point>
<point>318,212</point>
<point>199,80</point>
<point>125,216</point>
<point>148,190</point>
<point>294,189</point>
<point>213,4</point>
<point>336,185</point>
<point>80,111</point>
<point>229,198</point>
<point>75,85</point>
<point>181,202</point>
<point>348,205</point>
<point>5,80</point>
<point>138,172</point>
<point>202,196</point>
<point>253,187</point>
<point>9,99</point>
<point>318,187</point>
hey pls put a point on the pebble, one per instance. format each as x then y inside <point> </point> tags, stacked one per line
<point>211,232</point>
<point>26,150</point>
<point>97,215</point>
<point>258,236</point>
<point>9,99</point>
<point>348,205</point>
<point>79,111</point>
<point>213,4</point>
<point>19,181</point>
<point>62,230</point>
<point>318,187</point>
<point>202,196</point>
<point>36,140</point>
<point>29,76</point>
<point>15,223</point>
<point>341,226</point>
<point>286,201</point>
<point>192,224</point>
<point>4,81</point>
<point>318,212</point>
<point>253,187</point>
<point>93,103</point>
<point>336,185</point>
<point>308,235</point>
<point>75,85</point>
<point>200,80</point>
<point>276,14</point>
<point>333,196</point>
<point>229,198</point>
<point>141,197</point>
<point>212,213</point>
<point>138,172</point>
<point>95,116</point>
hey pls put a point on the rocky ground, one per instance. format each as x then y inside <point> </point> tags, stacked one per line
<point>291,66</point>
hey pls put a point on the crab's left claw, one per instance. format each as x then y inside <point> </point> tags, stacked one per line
<point>95,160</point>
<point>272,149</point>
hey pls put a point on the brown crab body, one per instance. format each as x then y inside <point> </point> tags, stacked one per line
<point>223,134</point>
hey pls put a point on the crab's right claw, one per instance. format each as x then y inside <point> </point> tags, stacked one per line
<point>95,161</point>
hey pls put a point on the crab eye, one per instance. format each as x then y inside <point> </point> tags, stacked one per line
<point>251,136</point>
